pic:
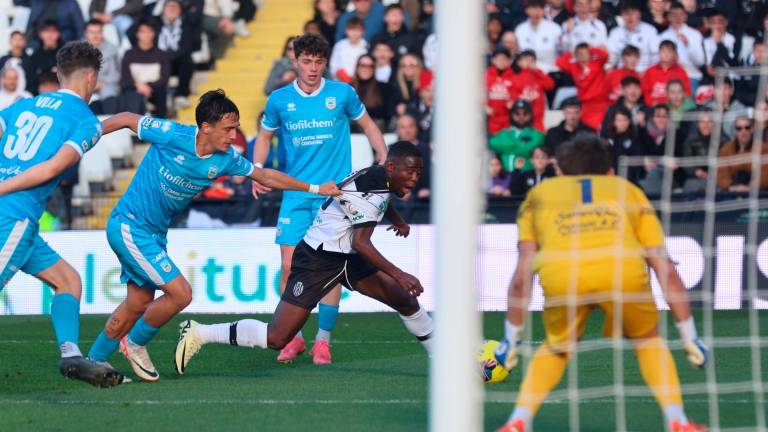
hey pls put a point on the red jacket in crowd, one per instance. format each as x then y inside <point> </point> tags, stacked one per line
<point>498,85</point>
<point>590,85</point>
<point>532,85</point>
<point>613,82</point>
<point>655,79</point>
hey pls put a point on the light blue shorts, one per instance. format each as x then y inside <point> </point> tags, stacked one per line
<point>142,254</point>
<point>295,218</point>
<point>22,248</point>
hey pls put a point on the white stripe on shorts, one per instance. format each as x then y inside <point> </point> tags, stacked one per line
<point>13,241</point>
<point>125,230</point>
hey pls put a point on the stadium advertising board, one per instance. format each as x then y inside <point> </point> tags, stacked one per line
<point>237,270</point>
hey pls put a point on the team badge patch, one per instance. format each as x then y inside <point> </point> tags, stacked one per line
<point>166,266</point>
<point>212,171</point>
<point>330,102</point>
<point>298,288</point>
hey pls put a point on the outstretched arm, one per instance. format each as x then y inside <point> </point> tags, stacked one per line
<point>277,180</point>
<point>361,242</point>
<point>42,172</point>
<point>374,136</point>
<point>120,121</point>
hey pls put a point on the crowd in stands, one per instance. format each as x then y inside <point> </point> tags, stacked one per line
<point>625,70</point>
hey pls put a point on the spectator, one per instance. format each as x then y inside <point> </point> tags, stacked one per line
<point>43,59</point>
<point>689,42</point>
<point>556,12</point>
<point>539,35</point>
<point>655,79</point>
<point>396,35</point>
<point>656,14</point>
<point>625,140</point>
<point>407,129</point>
<point>371,13</point>
<point>411,77</point>
<point>531,84</point>
<point>747,85</point>
<point>108,88</point>
<point>636,33</point>
<point>698,144</point>
<point>18,43</point>
<point>584,28</point>
<point>425,24</point>
<point>632,100</point>
<point>737,178</point>
<point>218,25</point>
<point>348,50</point>
<point>656,146</point>
<point>494,29</point>
<point>511,12</point>
<point>48,82</point>
<point>146,69</point>
<point>384,57</point>
<point>13,84</point>
<point>121,14</point>
<point>586,67</point>
<point>373,94</point>
<point>65,13</point>
<point>630,56</point>
<point>516,143</point>
<point>568,128</point>
<point>730,106</point>
<point>312,27</point>
<point>605,12</point>
<point>245,13</point>
<point>509,42</point>
<point>499,80</point>
<point>719,45</point>
<point>523,181</point>
<point>424,113</point>
<point>679,104</point>
<point>500,178</point>
<point>326,17</point>
<point>283,70</point>
<point>176,39</point>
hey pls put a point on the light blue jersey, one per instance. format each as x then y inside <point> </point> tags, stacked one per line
<point>33,131</point>
<point>314,129</point>
<point>172,173</point>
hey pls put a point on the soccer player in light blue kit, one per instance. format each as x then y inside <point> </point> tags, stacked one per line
<point>181,162</point>
<point>42,137</point>
<point>311,117</point>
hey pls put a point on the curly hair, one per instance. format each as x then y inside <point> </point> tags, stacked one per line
<point>311,45</point>
<point>77,55</point>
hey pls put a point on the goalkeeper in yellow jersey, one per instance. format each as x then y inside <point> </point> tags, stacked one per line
<point>591,237</point>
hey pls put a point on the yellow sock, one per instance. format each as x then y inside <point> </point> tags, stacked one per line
<point>659,371</point>
<point>544,373</point>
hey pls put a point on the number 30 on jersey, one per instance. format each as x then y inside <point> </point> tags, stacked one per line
<point>29,134</point>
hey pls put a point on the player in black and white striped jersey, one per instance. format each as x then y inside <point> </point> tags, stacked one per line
<point>336,249</point>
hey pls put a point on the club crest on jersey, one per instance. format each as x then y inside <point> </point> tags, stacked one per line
<point>298,288</point>
<point>330,102</point>
<point>166,266</point>
<point>212,171</point>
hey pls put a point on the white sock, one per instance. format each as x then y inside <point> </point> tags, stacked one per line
<point>420,325</point>
<point>248,333</point>
<point>69,349</point>
<point>511,332</point>
<point>323,335</point>
<point>214,333</point>
<point>523,414</point>
<point>674,412</point>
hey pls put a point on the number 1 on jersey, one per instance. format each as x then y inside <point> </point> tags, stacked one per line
<point>586,191</point>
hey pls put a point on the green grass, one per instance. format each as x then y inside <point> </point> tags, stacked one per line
<point>378,381</point>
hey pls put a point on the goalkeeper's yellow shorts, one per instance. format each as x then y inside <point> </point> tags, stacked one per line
<point>638,317</point>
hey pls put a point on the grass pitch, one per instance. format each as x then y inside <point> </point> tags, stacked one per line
<point>378,382</point>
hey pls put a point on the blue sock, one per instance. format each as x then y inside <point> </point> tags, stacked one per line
<point>142,333</point>
<point>103,347</point>
<point>65,316</point>
<point>327,316</point>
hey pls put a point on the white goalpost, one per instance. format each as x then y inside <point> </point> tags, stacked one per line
<point>456,394</point>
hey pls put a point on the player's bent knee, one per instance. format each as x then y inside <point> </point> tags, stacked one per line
<point>406,306</point>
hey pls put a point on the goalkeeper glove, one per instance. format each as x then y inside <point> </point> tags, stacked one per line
<point>507,354</point>
<point>695,350</point>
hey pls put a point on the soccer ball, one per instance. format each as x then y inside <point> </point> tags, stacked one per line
<point>490,370</point>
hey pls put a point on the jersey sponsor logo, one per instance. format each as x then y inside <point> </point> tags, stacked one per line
<point>179,180</point>
<point>290,107</point>
<point>160,256</point>
<point>308,124</point>
<point>212,171</point>
<point>348,207</point>
<point>330,102</point>
<point>147,122</point>
<point>298,288</point>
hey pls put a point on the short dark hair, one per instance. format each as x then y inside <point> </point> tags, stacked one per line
<point>677,5</point>
<point>403,149</point>
<point>572,101</point>
<point>76,55</point>
<point>354,22</point>
<point>660,106</point>
<point>48,24</point>
<point>213,106</point>
<point>628,5</point>
<point>16,32</point>
<point>675,81</point>
<point>146,23</point>
<point>630,50</point>
<point>535,3</point>
<point>48,77</point>
<point>630,80</point>
<point>92,22</point>
<point>669,44</point>
<point>581,45</point>
<point>311,45</point>
<point>585,154</point>
<point>526,53</point>
<point>394,6</point>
